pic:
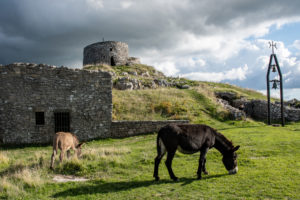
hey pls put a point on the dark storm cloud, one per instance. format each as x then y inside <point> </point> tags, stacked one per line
<point>55,32</point>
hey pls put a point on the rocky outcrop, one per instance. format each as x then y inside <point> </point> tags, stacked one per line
<point>126,83</point>
<point>227,96</point>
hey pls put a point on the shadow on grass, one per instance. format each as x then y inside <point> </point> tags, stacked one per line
<point>101,187</point>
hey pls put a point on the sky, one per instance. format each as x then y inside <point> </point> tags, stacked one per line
<point>209,40</point>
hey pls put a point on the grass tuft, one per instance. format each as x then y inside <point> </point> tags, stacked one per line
<point>3,158</point>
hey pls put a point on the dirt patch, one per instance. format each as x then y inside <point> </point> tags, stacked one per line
<point>68,178</point>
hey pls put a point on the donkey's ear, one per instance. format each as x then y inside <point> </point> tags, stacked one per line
<point>236,148</point>
<point>79,145</point>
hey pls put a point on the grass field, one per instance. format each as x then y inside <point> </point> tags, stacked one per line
<point>268,160</point>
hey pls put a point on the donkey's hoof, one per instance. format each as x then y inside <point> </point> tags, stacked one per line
<point>157,178</point>
<point>199,177</point>
<point>175,178</point>
<point>206,173</point>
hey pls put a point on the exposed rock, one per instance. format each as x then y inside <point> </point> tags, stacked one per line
<point>134,73</point>
<point>124,74</point>
<point>228,96</point>
<point>123,83</point>
<point>183,86</point>
<point>112,74</point>
<point>136,84</point>
<point>239,103</point>
<point>145,74</point>
<point>126,83</point>
<point>235,113</point>
<point>294,103</point>
<point>161,82</point>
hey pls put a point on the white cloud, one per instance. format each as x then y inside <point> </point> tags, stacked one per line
<point>296,44</point>
<point>126,4</point>
<point>168,67</point>
<point>233,74</point>
<point>96,4</point>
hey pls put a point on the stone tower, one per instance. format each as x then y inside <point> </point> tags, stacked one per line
<point>109,52</point>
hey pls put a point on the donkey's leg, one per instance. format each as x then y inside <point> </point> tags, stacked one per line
<point>161,150</point>
<point>201,161</point>
<point>168,162</point>
<point>204,167</point>
<point>53,158</point>
<point>68,154</point>
<point>62,154</point>
<point>157,162</point>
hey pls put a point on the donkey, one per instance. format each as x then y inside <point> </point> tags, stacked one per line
<point>65,141</point>
<point>189,139</point>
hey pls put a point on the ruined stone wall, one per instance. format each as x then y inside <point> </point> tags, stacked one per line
<point>258,109</point>
<point>121,129</point>
<point>108,52</point>
<point>28,88</point>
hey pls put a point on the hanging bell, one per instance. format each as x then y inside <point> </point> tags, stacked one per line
<point>273,68</point>
<point>274,85</point>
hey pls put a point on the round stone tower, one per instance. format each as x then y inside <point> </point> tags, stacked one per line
<point>108,52</point>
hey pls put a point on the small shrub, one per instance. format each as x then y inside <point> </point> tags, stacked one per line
<point>164,107</point>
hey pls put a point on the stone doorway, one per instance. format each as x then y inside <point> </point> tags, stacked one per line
<point>62,121</point>
<point>112,61</point>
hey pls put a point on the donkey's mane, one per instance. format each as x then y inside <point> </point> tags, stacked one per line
<point>223,139</point>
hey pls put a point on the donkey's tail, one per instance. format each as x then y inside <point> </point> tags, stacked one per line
<point>161,149</point>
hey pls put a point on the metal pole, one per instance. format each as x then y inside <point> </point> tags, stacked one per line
<point>268,90</point>
<point>281,91</point>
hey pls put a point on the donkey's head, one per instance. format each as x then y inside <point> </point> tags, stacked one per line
<point>229,160</point>
<point>78,149</point>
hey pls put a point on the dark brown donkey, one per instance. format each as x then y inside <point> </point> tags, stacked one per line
<point>189,139</point>
<point>65,141</point>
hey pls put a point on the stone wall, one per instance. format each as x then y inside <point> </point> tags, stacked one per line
<point>258,109</point>
<point>130,128</point>
<point>29,88</point>
<point>108,52</point>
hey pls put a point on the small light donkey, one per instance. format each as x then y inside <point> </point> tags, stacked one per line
<point>65,141</point>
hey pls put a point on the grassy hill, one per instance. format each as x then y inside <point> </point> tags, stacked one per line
<point>197,104</point>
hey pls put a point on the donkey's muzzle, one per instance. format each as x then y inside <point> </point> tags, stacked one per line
<point>233,171</point>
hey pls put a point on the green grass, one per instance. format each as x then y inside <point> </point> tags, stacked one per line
<point>268,163</point>
<point>196,105</point>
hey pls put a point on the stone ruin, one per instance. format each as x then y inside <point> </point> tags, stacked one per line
<point>38,100</point>
<point>109,53</point>
<point>240,108</point>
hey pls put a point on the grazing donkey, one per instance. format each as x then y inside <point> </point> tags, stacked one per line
<point>189,139</point>
<point>65,141</point>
